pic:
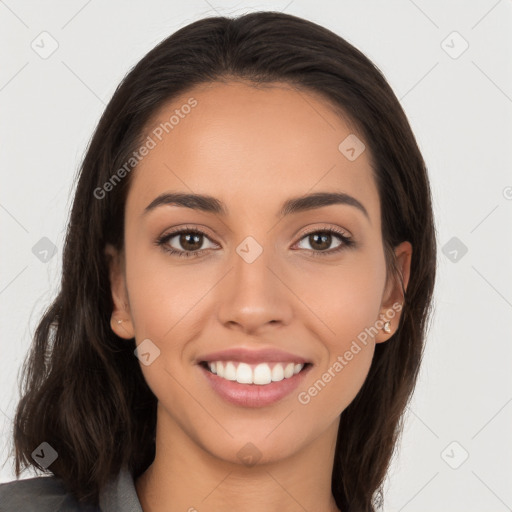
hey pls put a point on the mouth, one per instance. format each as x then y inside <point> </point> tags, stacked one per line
<point>253,385</point>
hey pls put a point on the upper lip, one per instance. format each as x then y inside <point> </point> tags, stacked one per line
<point>245,355</point>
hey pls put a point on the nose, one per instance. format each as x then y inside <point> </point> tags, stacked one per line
<point>254,294</point>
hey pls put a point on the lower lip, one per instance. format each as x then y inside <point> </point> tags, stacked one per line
<point>254,395</point>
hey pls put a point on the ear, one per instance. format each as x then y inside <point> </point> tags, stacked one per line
<point>393,298</point>
<point>121,321</point>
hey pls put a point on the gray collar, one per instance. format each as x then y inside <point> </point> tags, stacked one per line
<point>119,495</point>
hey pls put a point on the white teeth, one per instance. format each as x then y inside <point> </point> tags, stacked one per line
<point>277,373</point>
<point>244,374</point>
<point>288,371</point>
<point>259,374</point>
<point>230,371</point>
<point>262,374</point>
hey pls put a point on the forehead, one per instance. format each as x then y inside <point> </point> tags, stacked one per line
<point>244,144</point>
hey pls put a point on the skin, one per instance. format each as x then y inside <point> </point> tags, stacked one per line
<point>252,148</point>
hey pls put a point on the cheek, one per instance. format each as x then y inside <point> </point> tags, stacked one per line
<point>344,298</point>
<point>334,386</point>
<point>161,292</point>
<point>350,309</point>
<point>357,305</point>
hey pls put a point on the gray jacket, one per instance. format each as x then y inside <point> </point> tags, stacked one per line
<point>47,494</point>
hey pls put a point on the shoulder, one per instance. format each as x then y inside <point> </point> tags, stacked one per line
<point>41,494</point>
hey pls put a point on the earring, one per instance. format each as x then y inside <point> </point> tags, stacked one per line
<point>387,327</point>
<point>118,322</point>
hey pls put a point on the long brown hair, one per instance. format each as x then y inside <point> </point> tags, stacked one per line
<point>83,390</point>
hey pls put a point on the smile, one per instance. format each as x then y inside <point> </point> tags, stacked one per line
<point>253,385</point>
<point>260,374</point>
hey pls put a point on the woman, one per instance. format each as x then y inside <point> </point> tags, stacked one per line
<point>247,279</point>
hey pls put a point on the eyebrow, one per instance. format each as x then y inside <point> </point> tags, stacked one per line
<point>209,204</point>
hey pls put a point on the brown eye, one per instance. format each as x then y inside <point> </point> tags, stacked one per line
<point>320,241</point>
<point>190,241</point>
<point>186,242</point>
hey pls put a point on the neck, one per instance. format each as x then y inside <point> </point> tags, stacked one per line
<point>186,477</point>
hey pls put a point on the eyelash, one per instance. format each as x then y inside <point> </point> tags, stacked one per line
<point>347,242</point>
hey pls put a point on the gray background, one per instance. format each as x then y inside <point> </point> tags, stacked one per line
<point>459,104</point>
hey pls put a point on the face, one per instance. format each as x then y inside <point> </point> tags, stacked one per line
<point>311,282</point>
